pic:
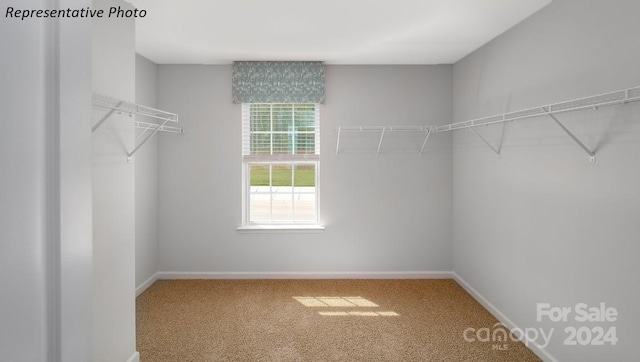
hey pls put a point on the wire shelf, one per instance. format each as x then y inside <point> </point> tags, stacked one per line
<point>106,103</point>
<point>592,102</point>
<point>112,105</point>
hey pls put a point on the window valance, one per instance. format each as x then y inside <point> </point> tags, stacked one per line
<point>278,82</point>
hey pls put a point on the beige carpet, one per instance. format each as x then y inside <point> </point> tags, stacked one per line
<point>314,320</point>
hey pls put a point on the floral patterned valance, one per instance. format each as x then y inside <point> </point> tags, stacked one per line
<point>278,82</point>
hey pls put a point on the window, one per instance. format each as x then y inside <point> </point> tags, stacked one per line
<point>281,156</point>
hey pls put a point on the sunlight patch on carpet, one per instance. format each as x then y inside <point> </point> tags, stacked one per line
<point>335,302</point>
<point>344,302</point>
<point>360,314</point>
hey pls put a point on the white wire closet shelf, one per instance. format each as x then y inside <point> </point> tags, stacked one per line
<point>113,105</point>
<point>425,131</point>
<point>592,102</point>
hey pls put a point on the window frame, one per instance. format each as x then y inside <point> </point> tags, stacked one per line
<point>271,160</point>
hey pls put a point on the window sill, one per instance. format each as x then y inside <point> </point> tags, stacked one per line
<point>281,228</point>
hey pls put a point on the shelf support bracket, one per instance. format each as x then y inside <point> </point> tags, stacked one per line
<point>504,125</point>
<point>426,138</point>
<point>592,155</point>
<point>148,127</point>
<point>380,143</point>
<point>105,117</point>
<point>497,152</point>
<point>130,154</point>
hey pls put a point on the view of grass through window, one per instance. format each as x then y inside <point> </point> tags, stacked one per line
<point>303,175</point>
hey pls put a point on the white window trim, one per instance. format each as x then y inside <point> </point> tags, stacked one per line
<point>247,160</point>
<point>277,228</point>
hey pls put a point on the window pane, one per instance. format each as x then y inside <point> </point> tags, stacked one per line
<point>304,192</point>
<point>305,206</point>
<point>260,115</point>
<point>305,117</point>
<point>259,207</point>
<point>282,117</point>
<point>282,207</point>
<point>259,193</point>
<point>282,144</point>
<point>260,144</point>
<point>281,175</point>
<point>305,143</point>
<point>259,175</point>
<point>305,175</point>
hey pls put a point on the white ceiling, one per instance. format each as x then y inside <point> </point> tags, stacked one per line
<point>333,31</point>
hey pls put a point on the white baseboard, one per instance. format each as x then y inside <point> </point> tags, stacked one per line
<point>540,352</point>
<point>146,284</point>
<point>306,275</point>
<point>135,357</point>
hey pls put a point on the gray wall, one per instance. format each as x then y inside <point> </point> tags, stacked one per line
<point>390,213</point>
<point>541,224</point>
<point>146,176</point>
<point>113,192</point>
<point>23,228</point>
<point>45,189</point>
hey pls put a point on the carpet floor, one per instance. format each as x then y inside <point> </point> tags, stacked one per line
<point>316,320</point>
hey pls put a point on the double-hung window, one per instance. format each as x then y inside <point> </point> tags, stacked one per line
<point>281,163</point>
